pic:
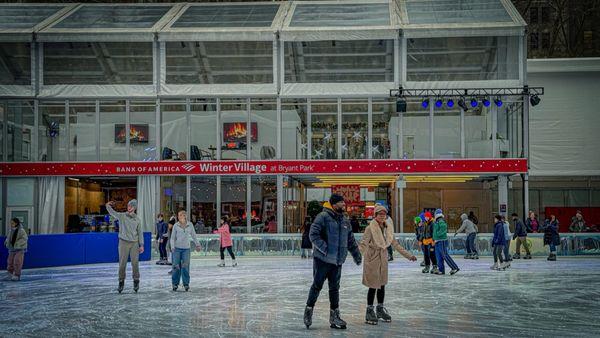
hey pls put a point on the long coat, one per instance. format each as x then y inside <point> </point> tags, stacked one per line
<point>374,246</point>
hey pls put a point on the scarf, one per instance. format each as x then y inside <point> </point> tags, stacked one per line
<point>13,239</point>
<point>381,240</point>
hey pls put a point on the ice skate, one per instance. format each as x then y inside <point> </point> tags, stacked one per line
<point>234,263</point>
<point>475,256</point>
<point>435,270</point>
<point>439,273</point>
<point>552,257</point>
<point>468,256</point>
<point>175,287</point>
<point>495,266</point>
<point>516,256</point>
<point>528,256</point>
<point>425,269</point>
<point>454,271</point>
<point>136,285</point>
<point>335,321</point>
<point>503,266</point>
<point>222,264</point>
<point>308,312</point>
<point>121,286</point>
<point>187,288</point>
<point>383,314</point>
<point>370,316</point>
<point>15,278</point>
<point>506,264</point>
<point>8,276</point>
<point>422,263</point>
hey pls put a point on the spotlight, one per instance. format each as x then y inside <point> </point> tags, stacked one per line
<point>439,103</point>
<point>461,103</point>
<point>450,103</point>
<point>473,103</point>
<point>425,103</point>
<point>534,100</point>
<point>486,102</point>
<point>498,102</point>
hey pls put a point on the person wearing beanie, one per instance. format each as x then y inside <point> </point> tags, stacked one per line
<point>440,236</point>
<point>429,245</point>
<point>332,238</point>
<point>498,243</point>
<point>131,242</point>
<point>419,228</point>
<point>470,230</point>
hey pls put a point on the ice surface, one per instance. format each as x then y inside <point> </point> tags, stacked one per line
<point>266,297</point>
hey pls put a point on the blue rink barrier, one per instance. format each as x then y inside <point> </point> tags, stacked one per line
<point>72,249</point>
<point>572,244</point>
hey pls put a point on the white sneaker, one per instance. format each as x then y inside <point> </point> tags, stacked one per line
<point>222,264</point>
<point>494,267</point>
<point>234,264</point>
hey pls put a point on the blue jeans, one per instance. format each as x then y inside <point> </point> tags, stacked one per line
<point>552,247</point>
<point>181,266</point>
<point>506,249</point>
<point>471,243</point>
<point>441,254</point>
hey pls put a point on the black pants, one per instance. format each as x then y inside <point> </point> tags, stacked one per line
<point>380,295</point>
<point>162,248</point>
<point>332,273</point>
<point>390,252</point>
<point>230,252</point>
<point>429,254</point>
<point>498,249</point>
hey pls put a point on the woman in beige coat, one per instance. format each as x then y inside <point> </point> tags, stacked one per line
<point>378,236</point>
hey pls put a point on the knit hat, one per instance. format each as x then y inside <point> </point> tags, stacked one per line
<point>438,213</point>
<point>378,209</point>
<point>132,203</point>
<point>427,215</point>
<point>418,219</point>
<point>335,198</point>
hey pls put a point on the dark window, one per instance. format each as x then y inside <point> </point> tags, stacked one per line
<point>533,15</point>
<point>545,40</point>
<point>546,15</point>
<point>534,41</point>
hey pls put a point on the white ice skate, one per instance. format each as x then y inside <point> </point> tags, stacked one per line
<point>234,264</point>
<point>222,264</point>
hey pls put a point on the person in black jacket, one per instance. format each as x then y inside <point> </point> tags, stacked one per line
<point>306,245</point>
<point>521,236</point>
<point>332,238</point>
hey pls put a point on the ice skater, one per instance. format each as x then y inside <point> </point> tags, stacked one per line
<point>161,239</point>
<point>332,238</point>
<point>498,243</point>
<point>16,244</point>
<point>507,236</point>
<point>183,234</point>
<point>170,225</point>
<point>306,246</point>
<point>131,242</point>
<point>419,229</point>
<point>520,236</point>
<point>226,242</point>
<point>551,236</point>
<point>470,230</point>
<point>377,238</point>
<point>440,236</point>
<point>429,245</point>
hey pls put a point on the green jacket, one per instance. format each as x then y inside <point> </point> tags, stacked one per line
<point>20,244</point>
<point>440,230</point>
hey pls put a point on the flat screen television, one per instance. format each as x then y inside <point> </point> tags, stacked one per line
<point>138,133</point>
<point>236,132</point>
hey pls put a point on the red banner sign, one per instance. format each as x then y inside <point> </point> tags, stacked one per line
<point>351,193</point>
<point>270,167</point>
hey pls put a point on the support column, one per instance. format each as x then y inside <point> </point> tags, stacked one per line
<point>279,204</point>
<point>188,197</point>
<point>249,203</point>
<point>218,201</point>
<point>503,195</point>
<point>400,185</point>
<point>525,179</point>
<point>431,138</point>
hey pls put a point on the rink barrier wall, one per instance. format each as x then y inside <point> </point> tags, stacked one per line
<point>72,249</point>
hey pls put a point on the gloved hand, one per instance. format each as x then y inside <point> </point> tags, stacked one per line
<point>358,259</point>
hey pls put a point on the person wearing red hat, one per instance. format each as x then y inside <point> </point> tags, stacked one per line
<point>428,245</point>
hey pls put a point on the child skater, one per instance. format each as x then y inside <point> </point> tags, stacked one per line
<point>377,238</point>
<point>183,233</point>
<point>498,243</point>
<point>16,243</point>
<point>226,242</point>
<point>428,244</point>
<point>440,236</point>
<point>419,229</point>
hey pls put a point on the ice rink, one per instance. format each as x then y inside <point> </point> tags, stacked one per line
<point>266,297</point>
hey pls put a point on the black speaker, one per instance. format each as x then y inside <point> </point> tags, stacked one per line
<point>400,106</point>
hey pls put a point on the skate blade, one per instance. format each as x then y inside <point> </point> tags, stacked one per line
<point>370,322</point>
<point>333,326</point>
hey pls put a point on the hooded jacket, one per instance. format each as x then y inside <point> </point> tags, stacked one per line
<point>332,237</point>
<point>498,234</point>
<point>520,229</point>
<point>467,225</point>
<point>440,229</point>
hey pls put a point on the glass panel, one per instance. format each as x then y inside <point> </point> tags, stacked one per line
<point>142,131</point>
<point>595,198</point>
<point>415,131</point>
<point>578,198</point>
<point>25,16</point>
<point>52,134</point>
<point>551,198</point>
<point>385,130</point>
<point>21,191</point>
<point>204,201</point>
<point>324,126</point>
<point>234,118</point>
<point>264,139</point>
<point>456,11</point>
<point>98,63</point>
<point>430,199</point>
<point>2,119</point>
<point>20,125</point>
<point>328,15</point>
<point>478,132</point>
<point>112,120</point>
<point>446,136</point>
<point>172,195</point>
<point>83,131</point>
<point>294,140</point>
<point>339,61</point>
<point>227,16</point>
<point>293,207</point>
<point>355,130</point>
<point>174,128</point>
<point>264,204</point>
<point>463,59</point>
<point>15,63</point>
<point>219,62</point>
<point>114,16</point>
<point>204,130</point>
<point>233,202</point>
<point>510,130</point>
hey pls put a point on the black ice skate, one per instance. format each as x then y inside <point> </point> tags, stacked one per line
<point>552,257</point>
<point>435,270</point>
<point>121,286</point>
<point>422,263</point>
<point>425,269</point>
<point>335,321</point>
<point>308,312</point>
<point>528,256</point>
<point>136,285</point>
<point>187,288</point>
<point>383,314</point>
<point>454,271</point>
<point>175,287</point>
<point>370,316</point>
<point>516,256</point>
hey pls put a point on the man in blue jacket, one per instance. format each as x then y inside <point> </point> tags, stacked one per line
<point>332,238</point>
<point>521,236</point>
